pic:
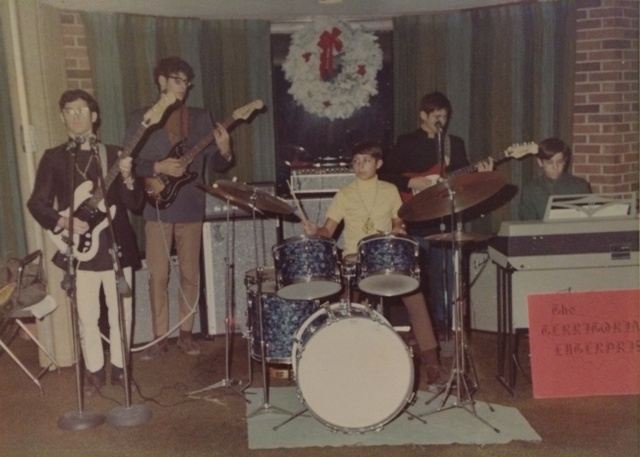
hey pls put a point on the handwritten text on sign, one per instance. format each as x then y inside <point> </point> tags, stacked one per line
<point>585,343</point>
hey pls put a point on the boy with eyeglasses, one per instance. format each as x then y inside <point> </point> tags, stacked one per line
<point>369,206</point>
<point>49,205</point>
<point>553,157</point>
<point>179,223</point>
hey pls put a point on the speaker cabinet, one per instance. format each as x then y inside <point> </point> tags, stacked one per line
<point>231,250</point>
<point>483,292</point>
<point>142,323</point>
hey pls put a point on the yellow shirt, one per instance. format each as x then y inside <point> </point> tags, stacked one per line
<point>367,207</point>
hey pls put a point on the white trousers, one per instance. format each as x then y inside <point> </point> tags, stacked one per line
<point>88,296</point>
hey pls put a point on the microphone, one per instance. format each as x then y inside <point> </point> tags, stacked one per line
<point>439,126</point>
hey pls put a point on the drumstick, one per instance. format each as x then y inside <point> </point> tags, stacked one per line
<point>297,202</point>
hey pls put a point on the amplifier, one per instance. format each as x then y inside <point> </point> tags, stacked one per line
<point>318,180</point>
<point>231,252</point>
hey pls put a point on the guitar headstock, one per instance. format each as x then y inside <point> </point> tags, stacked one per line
<point>519,150</point>
<point>155,113</point>
<point>247,110</point>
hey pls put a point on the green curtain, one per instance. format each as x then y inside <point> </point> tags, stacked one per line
<point>13,242</point>
<point>228,57</point>
<point>507,70</point>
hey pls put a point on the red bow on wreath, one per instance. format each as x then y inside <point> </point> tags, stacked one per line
<point>327,43</point>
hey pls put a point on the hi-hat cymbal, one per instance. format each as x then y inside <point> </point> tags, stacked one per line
<point>253,197</point>
<point>454,194</point>
<point>459,237</point>
<point>223,195</point>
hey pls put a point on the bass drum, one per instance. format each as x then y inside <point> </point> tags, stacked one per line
<point>353,371</point>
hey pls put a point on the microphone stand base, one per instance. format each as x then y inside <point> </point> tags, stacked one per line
<point>121,416</point>
<point>80,420</point>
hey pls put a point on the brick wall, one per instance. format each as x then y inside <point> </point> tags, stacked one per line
<point>605,141</point>
<point>75,52</point>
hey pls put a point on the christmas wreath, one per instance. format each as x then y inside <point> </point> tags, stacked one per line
<point>332,67</point>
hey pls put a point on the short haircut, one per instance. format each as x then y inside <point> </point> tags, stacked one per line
<point>78,94</point>
<point>172,65</point>
<point>367,147</point>
<point>551,146</point>
<point>435,101</point>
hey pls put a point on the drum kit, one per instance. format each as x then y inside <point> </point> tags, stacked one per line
<point>337,349</point>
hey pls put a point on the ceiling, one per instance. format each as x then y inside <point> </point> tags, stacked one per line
<point>272,10</point>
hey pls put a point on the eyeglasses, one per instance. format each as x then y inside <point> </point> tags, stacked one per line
<point>178,80</point>
<point>82,111</point>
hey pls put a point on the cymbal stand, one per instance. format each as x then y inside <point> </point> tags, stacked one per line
<point>227,382</point>
<point>459,383</point>
<point>266,406</point>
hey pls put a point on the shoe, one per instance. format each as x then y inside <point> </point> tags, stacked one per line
<point>119,381</point>
<point>92,383</point>
<point>188,346</point>
<point>155,351</point>
<point>437,378</point>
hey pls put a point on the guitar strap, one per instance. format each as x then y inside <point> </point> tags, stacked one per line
<point>102,153</point>
<point>185,122</point>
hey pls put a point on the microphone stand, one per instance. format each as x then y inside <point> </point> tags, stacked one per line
<point>80,419</point>
<point>126,415</point>
<point>443,254</point>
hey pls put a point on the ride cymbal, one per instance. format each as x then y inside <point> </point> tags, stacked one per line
<point>452,195</point>
<point>459,237</point>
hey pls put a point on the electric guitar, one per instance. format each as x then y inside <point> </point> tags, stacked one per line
<point>162,189</point>
<point>89,201</point>
<point>515,151</point>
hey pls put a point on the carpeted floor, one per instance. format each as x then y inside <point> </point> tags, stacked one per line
<point>454,422</point>
<point>217,425</point>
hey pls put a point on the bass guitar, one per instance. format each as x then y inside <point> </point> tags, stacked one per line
<point>162,189</point>
<point>89,201</point>
<point>515,151</point>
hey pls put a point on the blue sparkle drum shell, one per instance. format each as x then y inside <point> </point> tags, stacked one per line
<point>307,268</point>
<point>388,265</point>
<point>281,319</point>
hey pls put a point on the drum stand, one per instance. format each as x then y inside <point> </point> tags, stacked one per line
<point>227,382</point>
<point>463,385</point>
<point>266,407</point>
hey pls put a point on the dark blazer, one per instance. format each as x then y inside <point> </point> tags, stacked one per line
<point>52,192</point>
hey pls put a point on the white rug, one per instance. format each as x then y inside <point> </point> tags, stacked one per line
<point>455,425</point>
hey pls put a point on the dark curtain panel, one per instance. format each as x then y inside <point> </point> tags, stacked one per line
<point>13,242</point>
<point>508,72</point>
<point>123,50</point>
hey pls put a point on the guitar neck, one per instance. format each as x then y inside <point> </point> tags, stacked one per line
<point>97,196</point>
<point>188,156</point>
<point>472,168</point>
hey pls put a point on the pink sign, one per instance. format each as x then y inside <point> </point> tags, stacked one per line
<point>585,343</point>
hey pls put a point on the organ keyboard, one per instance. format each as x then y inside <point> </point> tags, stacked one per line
<point>552,256</point>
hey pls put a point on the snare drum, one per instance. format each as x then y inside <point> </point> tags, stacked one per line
<point>280,318</point>
<point>354,373</point>
<point>388,265</point>
<point>307,268</point>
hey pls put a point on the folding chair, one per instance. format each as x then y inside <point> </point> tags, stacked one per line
<point>18,308</point>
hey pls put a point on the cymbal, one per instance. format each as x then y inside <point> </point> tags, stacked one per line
<point>254,197</point>
<point>218,192</point>
<point>455,193</point>
<point>459,237</point>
